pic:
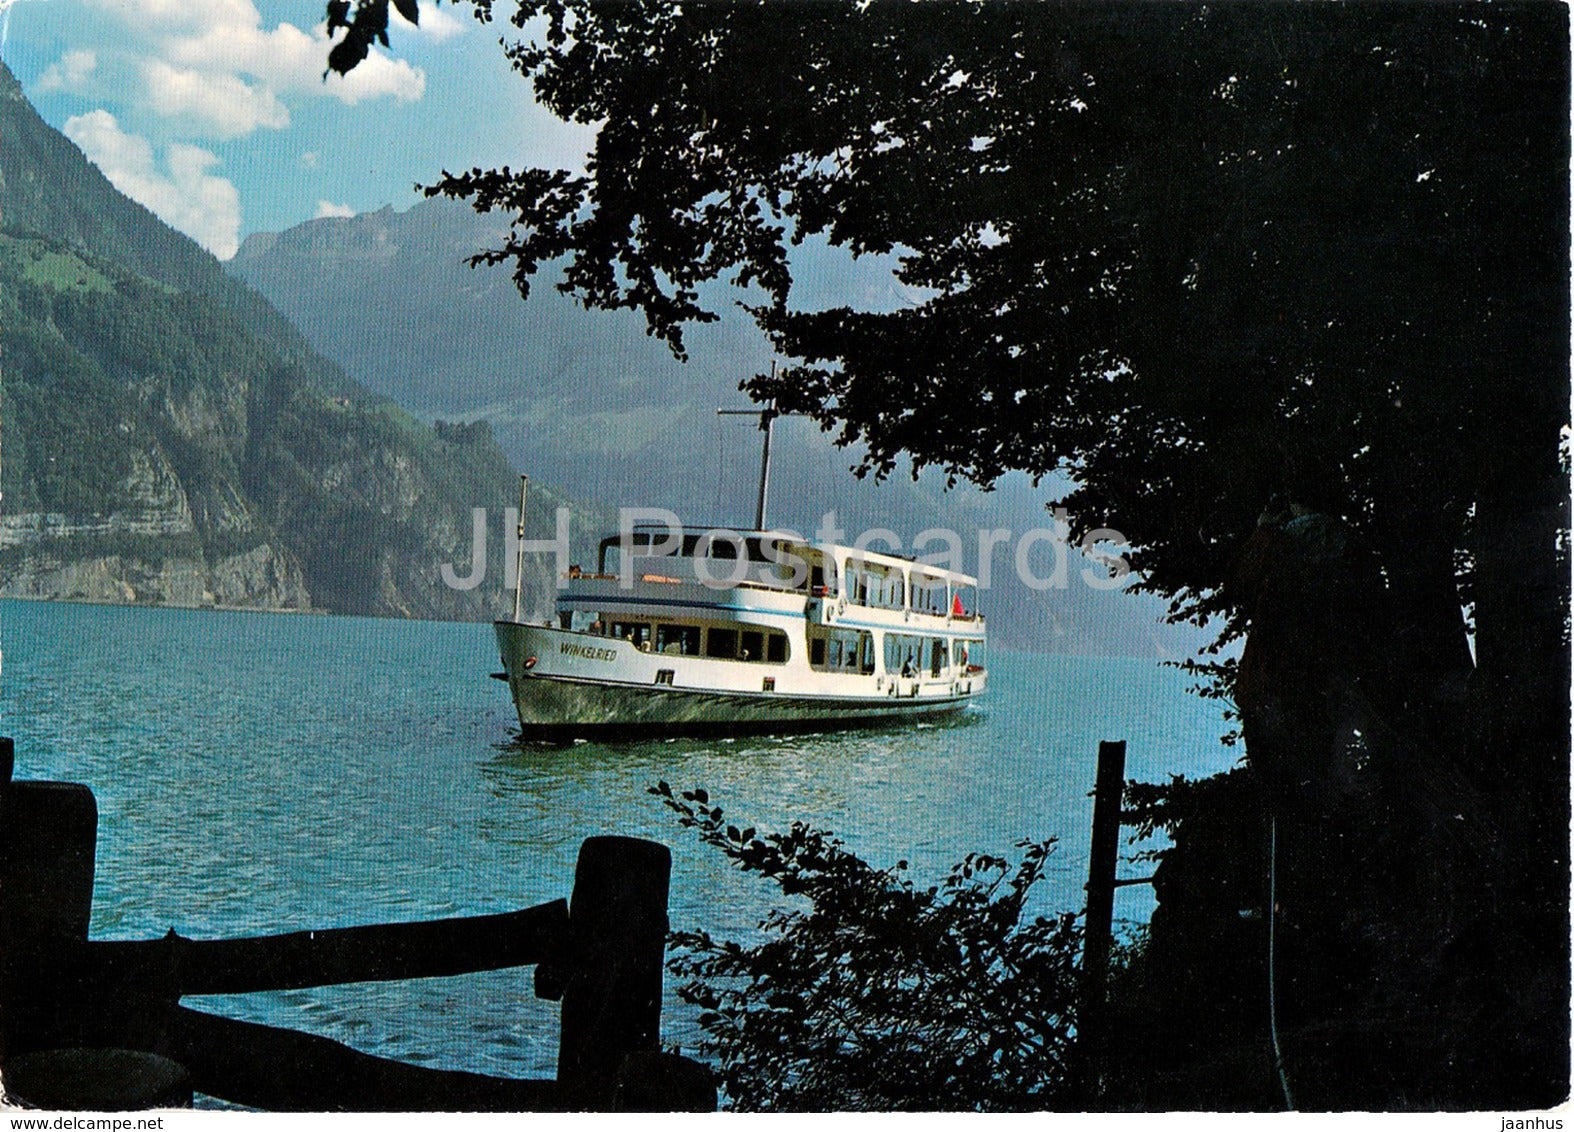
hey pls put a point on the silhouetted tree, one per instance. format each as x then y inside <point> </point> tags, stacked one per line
<point>1282,289</point>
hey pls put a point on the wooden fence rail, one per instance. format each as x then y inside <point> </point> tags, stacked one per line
<point>286,1071</point>
<point>75,1013</point>
<point>377,953</point>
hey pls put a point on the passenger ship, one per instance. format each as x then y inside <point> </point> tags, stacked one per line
<point>794,635</point>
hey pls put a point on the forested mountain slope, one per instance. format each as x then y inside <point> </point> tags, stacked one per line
<point>170,438</point>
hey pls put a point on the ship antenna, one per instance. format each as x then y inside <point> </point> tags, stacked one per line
<point>519,545</point>
<point>767,417</point>
<point>767,425</point>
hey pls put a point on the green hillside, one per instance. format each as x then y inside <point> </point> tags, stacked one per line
<point>169,438</point>
<point>46,185</point>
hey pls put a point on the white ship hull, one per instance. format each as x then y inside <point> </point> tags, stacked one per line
<point>776,634</point>
<point>567,683</point>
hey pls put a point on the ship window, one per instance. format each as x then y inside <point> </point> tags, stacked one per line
<point>683,640</point>
<point>842,650</point>
<point>869,583</point>
<point>664,676</point>
<point>769,685</point>
<point>565,619</point>
<point>753,646</point>
<point>786,563</point>
<point>903,654</point>
<point>969,654</point>
<point>722,643</point>
<point>929,594</point>
<point>776,648</point>
<point>875,585</point>
<point>937,656</point>
<point>636,631</point>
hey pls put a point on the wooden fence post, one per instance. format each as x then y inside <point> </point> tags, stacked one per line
<point>1098,924</point>
<point>48,832</point>
<point>47,843</point>
<point>617,919</point>
<point>53,1012</point>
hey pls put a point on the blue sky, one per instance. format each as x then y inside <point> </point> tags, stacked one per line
<point>215,115</point>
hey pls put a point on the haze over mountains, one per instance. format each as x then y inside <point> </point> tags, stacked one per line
<point>184,432</point>
<point>171,439</point>
<point>586,399</point>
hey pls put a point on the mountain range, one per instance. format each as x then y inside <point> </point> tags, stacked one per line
<point>589,400</point>
<point>170,438</point>
<point>311,425</point>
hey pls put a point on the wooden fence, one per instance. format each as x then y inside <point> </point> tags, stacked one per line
<point>94,1024</point>
<point>1098,937</point>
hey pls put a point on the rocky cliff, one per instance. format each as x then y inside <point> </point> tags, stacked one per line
<point>169,438</point>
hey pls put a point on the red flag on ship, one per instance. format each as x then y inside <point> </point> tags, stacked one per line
<point>956,606</point>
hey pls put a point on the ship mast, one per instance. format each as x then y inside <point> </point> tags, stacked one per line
<point>767,417</point>
<point>519,545</point>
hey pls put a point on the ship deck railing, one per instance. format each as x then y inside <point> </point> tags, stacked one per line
<point>816,593</point>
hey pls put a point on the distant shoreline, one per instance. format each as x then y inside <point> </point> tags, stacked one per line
<point>216,608</point>
<point>1011,647</point>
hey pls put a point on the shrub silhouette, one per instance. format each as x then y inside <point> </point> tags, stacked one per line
<point>875,994</point>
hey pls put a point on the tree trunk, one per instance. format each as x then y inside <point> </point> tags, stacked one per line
<point>1520,693</point>
<point>1519,701</point>
<point>1521,686</point>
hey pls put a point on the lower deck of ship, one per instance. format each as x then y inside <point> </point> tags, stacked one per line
<point>555,708</point>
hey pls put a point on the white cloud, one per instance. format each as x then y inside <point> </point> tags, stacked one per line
<point>213,67</point>
<point>70,73</point>
<point>216,104</point>
<point>377,77</point>
<point>437,25</point>
<point>180,15</point>
<point>183,194</point>
<point>326,208</point>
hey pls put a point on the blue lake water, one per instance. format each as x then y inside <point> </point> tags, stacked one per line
<point>263,773</point>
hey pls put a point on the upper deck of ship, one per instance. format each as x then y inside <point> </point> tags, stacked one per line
<point>772,566</point>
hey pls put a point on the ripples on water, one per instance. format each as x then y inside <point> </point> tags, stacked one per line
<point>263,773</point>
